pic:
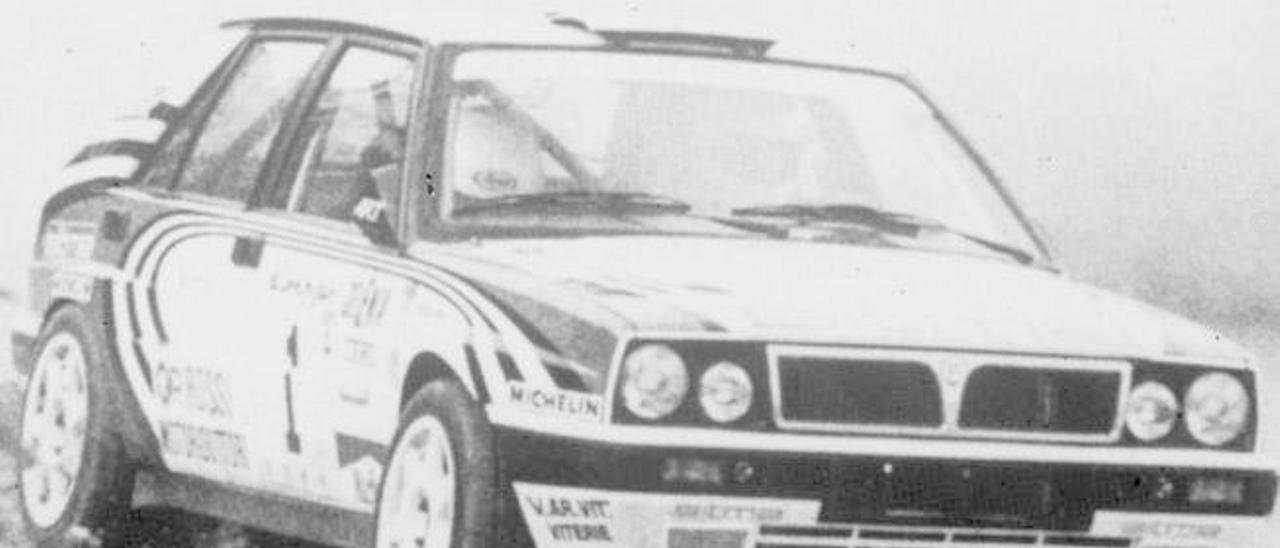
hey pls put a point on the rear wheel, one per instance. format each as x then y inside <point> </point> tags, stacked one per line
<point>439,489</point>
<point>74,481</point>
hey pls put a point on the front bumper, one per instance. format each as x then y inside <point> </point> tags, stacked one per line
<point>575,492</point>
<point>560,516</point>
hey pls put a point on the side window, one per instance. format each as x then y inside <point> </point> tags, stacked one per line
<point>168,157</point>
<point>229,153</point>
<point>164,165</point>
<point>353,146</point>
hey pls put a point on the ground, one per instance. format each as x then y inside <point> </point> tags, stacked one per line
<point>1265,342</point>
<point>10,400</point>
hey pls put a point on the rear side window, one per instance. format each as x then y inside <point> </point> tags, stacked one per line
<point>236,138</point>
<point>192,96</point>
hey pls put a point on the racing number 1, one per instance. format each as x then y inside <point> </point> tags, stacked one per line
<point>291,436</point>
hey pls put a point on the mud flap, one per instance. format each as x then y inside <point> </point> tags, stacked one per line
<point>20,344</point>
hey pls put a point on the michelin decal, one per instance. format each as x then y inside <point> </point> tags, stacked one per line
<point>557,402</point>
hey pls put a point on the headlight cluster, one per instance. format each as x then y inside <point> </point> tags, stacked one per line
<point>655,384</point>
<point>1214,408</point>
<point>1153,411</point>
<point>725,392</point>
<point>656,381</point>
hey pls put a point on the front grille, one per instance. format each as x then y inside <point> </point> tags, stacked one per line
<point>947,394</point>
<point>821,391</point>
<point>1010,398</point>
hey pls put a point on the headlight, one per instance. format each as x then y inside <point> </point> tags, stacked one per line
<point>725,392</point>
<point>1217,408</point>
<point>1152,411</point>
<point>655,381</point>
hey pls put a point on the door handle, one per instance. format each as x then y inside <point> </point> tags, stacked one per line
<point>247,251</point>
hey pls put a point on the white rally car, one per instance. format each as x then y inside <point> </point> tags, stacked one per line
<point>435,285</point>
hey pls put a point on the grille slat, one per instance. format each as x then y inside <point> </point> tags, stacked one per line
<point>1003,397</point>
<point>862,392</point>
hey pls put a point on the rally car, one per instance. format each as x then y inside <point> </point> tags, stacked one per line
<point>425,284</point>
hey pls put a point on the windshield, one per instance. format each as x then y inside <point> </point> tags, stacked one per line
<point>717,136</point>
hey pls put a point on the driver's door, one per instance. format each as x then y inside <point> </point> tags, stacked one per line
<point>326,269</point>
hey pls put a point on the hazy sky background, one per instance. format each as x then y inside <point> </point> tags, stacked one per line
<point>1143,134</point>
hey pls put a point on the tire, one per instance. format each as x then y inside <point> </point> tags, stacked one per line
<point>75,484</point>
<point>440,412</point>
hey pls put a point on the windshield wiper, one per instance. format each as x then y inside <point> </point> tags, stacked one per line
<point>614,202</point>
<point>879,219</point>
<point>834,213</point>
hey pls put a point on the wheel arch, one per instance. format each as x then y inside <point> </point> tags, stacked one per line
<point>425,367</point>
<point>54,307</point>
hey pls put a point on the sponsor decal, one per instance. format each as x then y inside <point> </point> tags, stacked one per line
<point>365,475</point>
<point>196,389</point>
<point>75,287</point>
<point>744,513</point>
<point>361,356</point>
<point>308,292</point>
<point>357,352</point>
<point>368,210</point>
<point>68,241</point>
<point>567,507</point>
<point>568,516</point>
<point>581,532</point>
<point>216,447</point>
<point>555,401</point>
<point>1167,530</point>
<point>366,303</point>
<point>296,476</point>
<point>1170,530</point>
<point>592,515</point>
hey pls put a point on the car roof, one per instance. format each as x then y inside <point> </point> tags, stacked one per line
<point>422,25</point>
<point>435,26</point>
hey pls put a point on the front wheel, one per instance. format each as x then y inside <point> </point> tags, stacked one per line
<point>440,487</point>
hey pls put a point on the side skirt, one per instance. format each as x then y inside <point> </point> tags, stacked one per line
<point>277,514</point>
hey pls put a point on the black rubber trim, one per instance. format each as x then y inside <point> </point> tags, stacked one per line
<point>1107,542</point>
<point>473,365</point>
<point>914,536</point>
<point>978,538</point>
<point>793,531</point>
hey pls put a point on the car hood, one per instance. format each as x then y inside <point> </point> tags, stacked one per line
<point>817,292</point>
